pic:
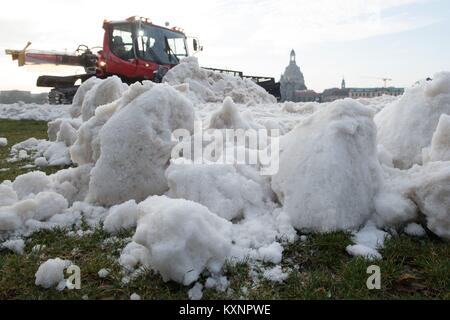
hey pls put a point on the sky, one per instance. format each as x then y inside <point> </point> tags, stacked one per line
<point>361,40</point>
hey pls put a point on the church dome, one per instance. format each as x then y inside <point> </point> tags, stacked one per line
<point>292,80</point>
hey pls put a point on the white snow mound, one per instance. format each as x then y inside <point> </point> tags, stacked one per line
<point>209,86</point>
<point>329,172</point>
<point>183,238</point>
<point>407,126</point>
<point>136,145</point>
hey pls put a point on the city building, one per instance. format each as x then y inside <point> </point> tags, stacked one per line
<point>292,80</point>
<point>293,88</point>
<point>307,96</point>
<point>356,93</point>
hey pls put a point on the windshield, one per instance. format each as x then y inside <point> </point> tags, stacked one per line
<point>160,45</point>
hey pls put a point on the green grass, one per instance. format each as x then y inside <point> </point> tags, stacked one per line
<point>412,268</point>
<point>15,132</point>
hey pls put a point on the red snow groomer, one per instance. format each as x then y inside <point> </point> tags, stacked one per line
<point>134,49</point>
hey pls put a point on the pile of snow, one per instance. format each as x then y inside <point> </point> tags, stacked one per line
<point>415,230</point>
<point>367,242</point>
<point>329,173</point>
<point>136,145</point>
<point>51,273</point>
<point>16,246</point>
<point>424,189</point>
<point>43,112</point>
<point>407,126</point>
<point>183,238</point>
<point>227,190</point>
<point>36,201</point>
<point>101,93</point>
<point>77,103</point>
<point>209,86</point>
<point>188,217</point>
<point>49,153</point>
<point>229,117</point>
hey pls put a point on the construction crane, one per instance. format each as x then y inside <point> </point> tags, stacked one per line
<point>385,80</point>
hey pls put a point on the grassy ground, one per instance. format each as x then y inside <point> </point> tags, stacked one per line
<point>412,268</point>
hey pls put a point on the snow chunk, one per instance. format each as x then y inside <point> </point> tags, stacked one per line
<point>135,297</point>
<point>407,126</point>
<point>41,162</point>
<point>432,195</point>
<point>134,254</point>
<point>370,236</point>
<point>329,172</point>
<point>48,205</point>
<point>136,146</point>
<point>103,92</point>
<point>63,130</point>
<point>220,283</point>
<point>368,240</point>
<point>31,183</point>
<point>275,274</point>
<point>392,209</point>
<point>23,154</point>
<point>17,246</point>
<point>196,292</point>
<point>72,183</point>
<point>7,195</point>
<point>367,253</point>
<point>77,103</point>
<point>226,190</point>
<point>183,238</point>
<point>103,273</point>
<point>51,273</point>
<point>271,253</point>
<point>414,229</point>
<point>123,216</point>
<point>3,142</point>
<point>229,117</point>
<point>209,86</point>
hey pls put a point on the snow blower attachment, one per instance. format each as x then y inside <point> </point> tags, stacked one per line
<point>134,49</point>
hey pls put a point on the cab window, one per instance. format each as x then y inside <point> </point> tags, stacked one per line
<point>122,42</point>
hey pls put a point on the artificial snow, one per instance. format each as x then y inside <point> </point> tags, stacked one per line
<point>407,126</point>
<point>102,93</point>
<point>137,139</point>
<point>440,143</point>
<point>196,292</point>
<point>367,242</point>
<point>275,274</point>
<point>51,273</point>
<point>121,217</point>
<point>329,173</point>
<point>103,273</point>
<point>16,246</point>
<point>3,142</point>
<point>183,238</point>
<point>415,230</point>
<point>209,86</point>
<point>135,297</point>
<point>336,173</point>
<point>22,111</point>
<point>229,191</point>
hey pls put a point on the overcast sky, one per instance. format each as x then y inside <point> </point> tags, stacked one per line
<point>360,39</point>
